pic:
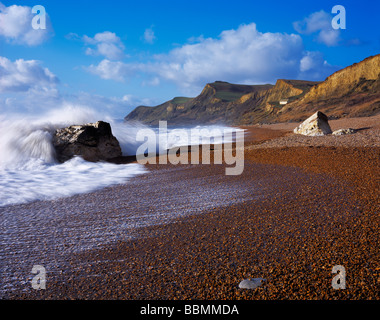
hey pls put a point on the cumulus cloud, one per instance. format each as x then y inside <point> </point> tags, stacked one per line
<point>114,106</point>
<point>16,26</point>
<point>106,44</point>
<point>149,36</point>
<point>23,75</point>
<point>154,82</point>
<point>37,102</point>
<point>314,66</point>
<point>319,23</point>
<point>26,86</point>
<point>242,55</point>
<point>112,70</point>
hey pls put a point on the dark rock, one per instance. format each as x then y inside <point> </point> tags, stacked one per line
<point>92,141</point>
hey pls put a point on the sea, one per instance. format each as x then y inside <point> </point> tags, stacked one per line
<point>30,172</point>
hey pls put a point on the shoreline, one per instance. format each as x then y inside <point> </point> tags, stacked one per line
<point>319,209</point>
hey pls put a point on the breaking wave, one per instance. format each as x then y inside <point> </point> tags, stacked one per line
<point>29,170</point>
<point>28,167</point>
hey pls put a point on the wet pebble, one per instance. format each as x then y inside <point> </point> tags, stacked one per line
<point>251,283</point>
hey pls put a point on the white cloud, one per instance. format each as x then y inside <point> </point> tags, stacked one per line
<point>37,102</point>
<point>149,36</point>
<point>313,66</point>
<point>112,70</point>
<point>242,55</point>
<point>16,26</point>
<point>24,75</point>
<point>26,86</point>
<point>315,22</point>
<point>319,22</point>
<point>329,37</point>
<point>73,36</point>
<point>154,82</point>
<point>114,106</point>
<point>106,43</point>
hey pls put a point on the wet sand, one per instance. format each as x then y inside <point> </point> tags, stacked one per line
<point>293,214</point>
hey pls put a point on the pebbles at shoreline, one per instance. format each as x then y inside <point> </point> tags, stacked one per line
<point>321,209</point>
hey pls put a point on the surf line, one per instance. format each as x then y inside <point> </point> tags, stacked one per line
<point>157,144</point>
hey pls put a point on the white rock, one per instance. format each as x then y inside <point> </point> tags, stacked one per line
<point>342,132</point>
<point>251,283</point>
<point>316,125</point>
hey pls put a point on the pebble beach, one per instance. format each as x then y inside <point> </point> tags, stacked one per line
<point>301,206</point>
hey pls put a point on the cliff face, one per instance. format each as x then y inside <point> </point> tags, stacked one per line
<point>219,102</point>
<point>165,111</point>
<point>282,90</point>
<point>264,105</point>
<point>223,102</point>
<point>353,91</point>
<point>352,79</point>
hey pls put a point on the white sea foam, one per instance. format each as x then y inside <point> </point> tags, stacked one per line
<point>28,167</point>
<point>186,136</point>
<point>46,182</point>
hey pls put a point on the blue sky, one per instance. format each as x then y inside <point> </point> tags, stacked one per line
<point>115,55</point>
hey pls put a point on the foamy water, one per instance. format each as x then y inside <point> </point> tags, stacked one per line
<point>46,182</point>
<point>28,167</point>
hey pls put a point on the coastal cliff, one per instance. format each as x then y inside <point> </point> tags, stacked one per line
<point>351,92</point>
